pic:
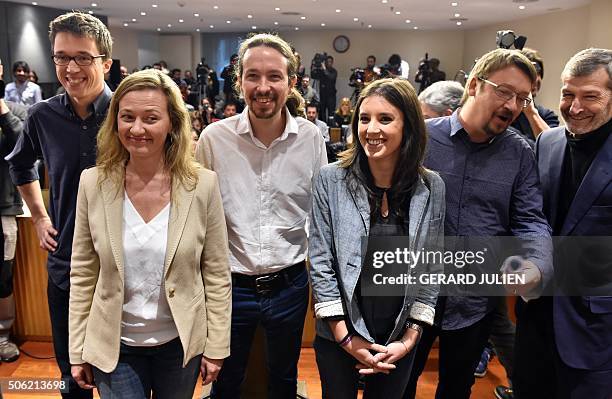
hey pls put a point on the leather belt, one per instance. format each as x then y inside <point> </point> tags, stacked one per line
<point>268,284</point>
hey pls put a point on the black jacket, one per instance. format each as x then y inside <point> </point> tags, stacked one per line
<point>11,126</point>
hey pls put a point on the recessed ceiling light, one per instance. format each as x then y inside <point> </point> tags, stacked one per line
<point>197,29</point>
<point>385,1</point>
<point>355,19</point>
<point>125,24</point>
<point>275,22</point>
<point>408,21</point>
<point>94,4</point>
<point>296,28</point>
<point>133,19</point>
<point>142,13</point>
<point>154,5</point>
<point>302,17</point>
<point>181,20</point>
<point>216,7</point>
<point>211,26</point>
<point>322,23</point>
<point>276,8</point>
<point>90,11</point>
<point>195,14</point>
<point>228,22</point>
<point>159,29</point>
<point>457,15</point>
<point>338,10</point>
<point>249,16</point>
<point>369,26</point>
<point>458,23</point>
<point>398,12</point>
<point>415,28</point>
<point>521,7</point>
<point>34,3</point>
<point>169,25</point>
<point>454,4</point>
<point>253,27</point>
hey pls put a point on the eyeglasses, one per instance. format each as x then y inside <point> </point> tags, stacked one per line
<point>508,94</point>
<point>81,59</point>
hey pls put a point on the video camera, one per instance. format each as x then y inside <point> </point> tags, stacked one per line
<point>357,77</point>
<point>202,72</point>
<point>316,66</point>
<point>507,38</point>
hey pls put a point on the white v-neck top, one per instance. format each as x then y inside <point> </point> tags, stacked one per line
<point>147,319</point>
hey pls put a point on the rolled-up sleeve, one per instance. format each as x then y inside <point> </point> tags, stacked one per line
<point>23,157</point>
<point>323,278</point>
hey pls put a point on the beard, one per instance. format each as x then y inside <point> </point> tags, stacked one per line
<point>265,111</point>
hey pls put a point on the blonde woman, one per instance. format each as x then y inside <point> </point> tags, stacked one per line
<point>342,116</point>
<point>150,289</point>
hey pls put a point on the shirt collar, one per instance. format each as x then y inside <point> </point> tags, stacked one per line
<point>455,122</point>
<point>244,124</point>
<point>99,105</point>
<point>456,127</point>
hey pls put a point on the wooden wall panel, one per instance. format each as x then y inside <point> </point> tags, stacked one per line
<point>30,286</point>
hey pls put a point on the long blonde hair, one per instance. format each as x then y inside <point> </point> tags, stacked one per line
<point>112,155</point>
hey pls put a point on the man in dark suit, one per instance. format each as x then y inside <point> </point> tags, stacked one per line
<point>564,343</point>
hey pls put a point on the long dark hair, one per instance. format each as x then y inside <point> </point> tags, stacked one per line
<point>409,167</point>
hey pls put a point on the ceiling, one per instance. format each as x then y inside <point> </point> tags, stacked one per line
<point>174,16</point>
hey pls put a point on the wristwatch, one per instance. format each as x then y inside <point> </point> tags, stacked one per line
<point>415,326</point>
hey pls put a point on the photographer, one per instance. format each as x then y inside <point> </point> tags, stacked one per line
<point>327,86</point>
<point>429,73</point>
<point>396,68</point>
<point>309,94</point>
<point>229,79</point>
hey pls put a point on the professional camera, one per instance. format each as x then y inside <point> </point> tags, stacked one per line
<point>507,39</point>
<point>357,77</point>
<point>316,66</point>
<point>202,72</point>
<point>423,75</point>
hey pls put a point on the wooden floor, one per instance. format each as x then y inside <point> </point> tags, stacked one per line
<point>27,367</point>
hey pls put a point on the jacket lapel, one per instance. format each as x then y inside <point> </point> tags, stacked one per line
<point>112,196</point>
<point>551,173</point>
<point>360,197</point>
<point>595,180</point>
<point>178,217</point>
<point>418,204</point>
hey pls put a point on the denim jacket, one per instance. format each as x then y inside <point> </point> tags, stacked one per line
<point>339,219</point>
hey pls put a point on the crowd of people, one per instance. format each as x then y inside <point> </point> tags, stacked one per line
<point>173,232</point>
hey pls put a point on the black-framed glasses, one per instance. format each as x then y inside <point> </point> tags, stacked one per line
<point>81,59</point>
<point>508,94</point>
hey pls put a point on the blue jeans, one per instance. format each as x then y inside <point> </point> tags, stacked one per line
<point>282,317</point>
<point>154,368</point>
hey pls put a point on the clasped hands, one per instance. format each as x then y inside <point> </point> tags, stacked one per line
<point>375,358</point>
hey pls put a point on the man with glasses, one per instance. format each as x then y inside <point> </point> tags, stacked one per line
<point>63,131</point>
<point>492,189</point>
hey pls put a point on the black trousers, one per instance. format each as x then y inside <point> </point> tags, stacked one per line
<point>339,376</point>
<point>58,311</point>
<point>539,371</point>
<point>460,351</point>
<point>503,334</point>
<point>327,107</point>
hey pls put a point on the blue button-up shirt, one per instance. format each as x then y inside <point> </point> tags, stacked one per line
<point>492,189</point>
<point>67,144</point>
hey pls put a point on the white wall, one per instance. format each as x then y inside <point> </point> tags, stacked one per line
<point>125,47</point>
<point>176,50</point>
<point>148,49</point>
<point>410,45</point>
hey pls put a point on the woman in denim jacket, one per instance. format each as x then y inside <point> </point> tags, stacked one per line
<point>379,188</point>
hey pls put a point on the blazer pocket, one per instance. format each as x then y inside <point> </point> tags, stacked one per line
<point>600,304</point>
<point>196,299</point>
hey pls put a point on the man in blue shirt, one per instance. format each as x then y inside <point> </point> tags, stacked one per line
<point>63,131</point>
<point>492,189</point>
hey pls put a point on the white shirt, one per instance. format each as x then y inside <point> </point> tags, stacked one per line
<point>323,128</point>
<point>26,94</point>
<point>147,319</point>
<point>405,69</point>
<point>266,191</point>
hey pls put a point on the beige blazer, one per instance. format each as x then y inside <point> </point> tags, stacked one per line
<point>196,271</point>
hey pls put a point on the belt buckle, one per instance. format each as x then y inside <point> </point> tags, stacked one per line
<point>263,284</point>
